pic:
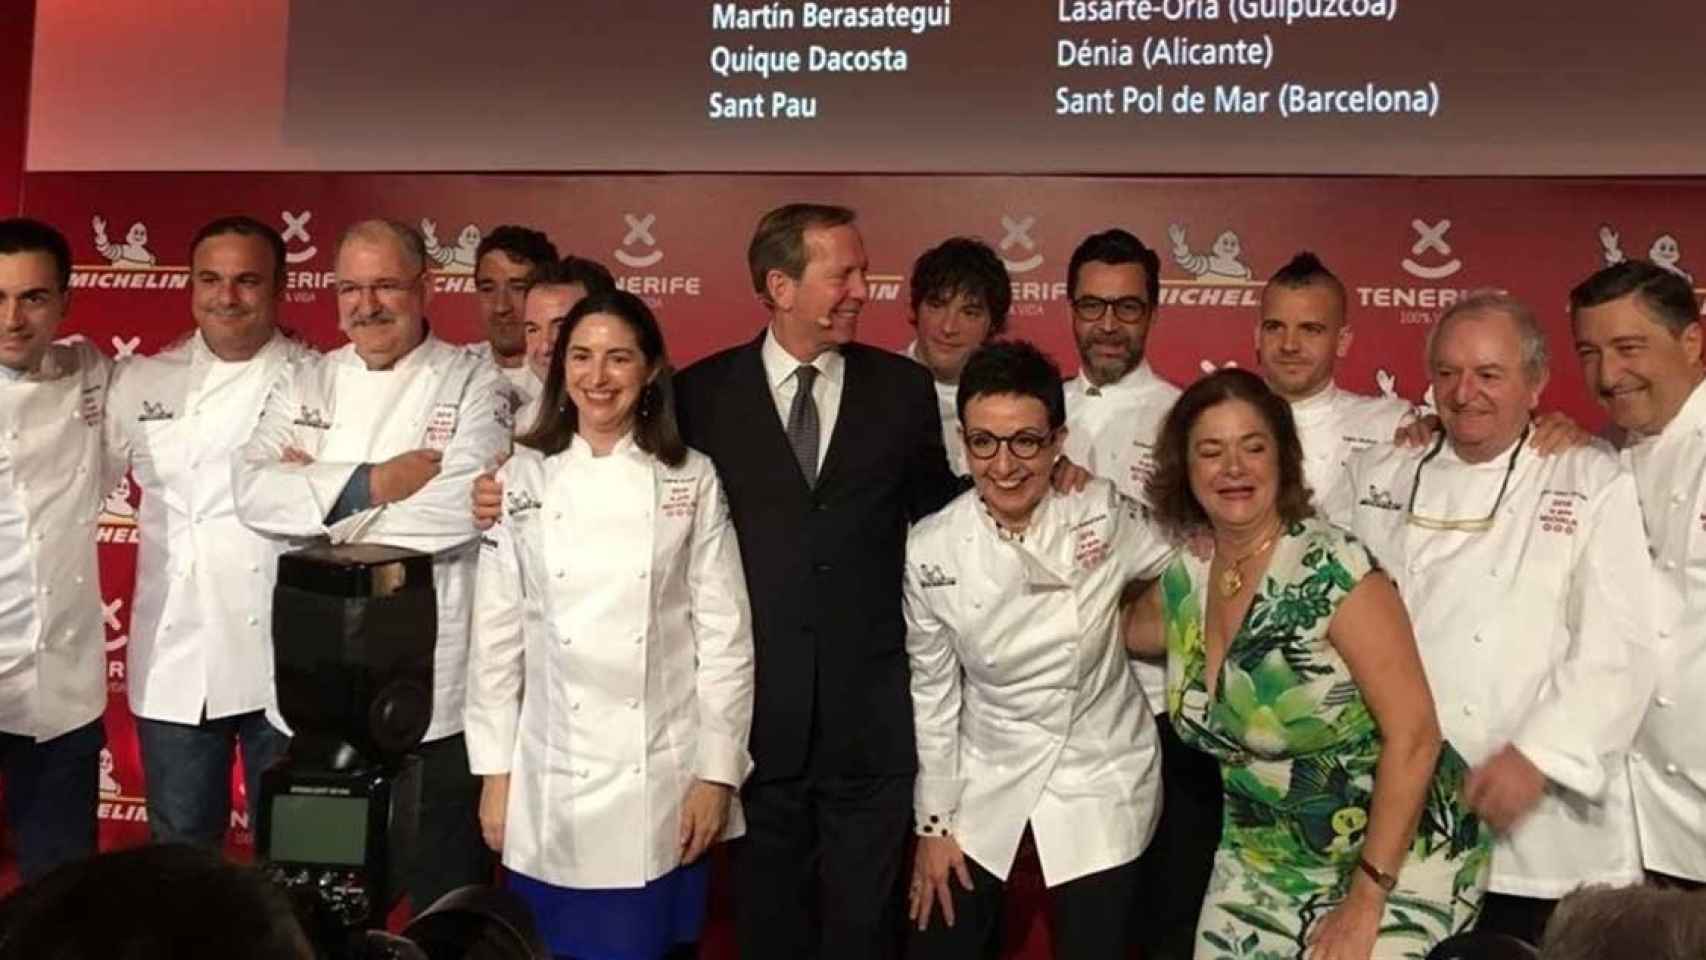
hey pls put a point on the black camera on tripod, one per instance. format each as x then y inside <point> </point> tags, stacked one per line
<point>354,628</point>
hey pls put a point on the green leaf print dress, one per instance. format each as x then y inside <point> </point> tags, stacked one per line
<point>1297,750</point>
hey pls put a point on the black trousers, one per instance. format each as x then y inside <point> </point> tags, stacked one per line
<point>818,873</point>
<point>1089,918</point>
<point>52,795</point>
<point>451,852</point>
<point>1173,873</point>
<point>1521,917</point>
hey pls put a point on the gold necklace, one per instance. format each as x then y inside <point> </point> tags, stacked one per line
<point>1232,578</point>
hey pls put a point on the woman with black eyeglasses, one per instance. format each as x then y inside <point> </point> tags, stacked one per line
<point>1027,713</point>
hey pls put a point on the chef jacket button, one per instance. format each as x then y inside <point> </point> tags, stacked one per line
<point>584,773</point>
<point>12,435</point>
<point>1635,758</point>
<point>1669,564</point>
<point>22,487</point>
<point>1675,498</point>
<point>575,707</point>
<point>643,574</point>
<point>561,574</point>
<point>254,621</point>
<point>1664,634</point>
<point>565,641</point>
<point>254,568</point>
<point>77,579</point>
<point>1469,709</point>
<point>989,662</point>
<point>1665,701</point>
<point>639,638</point>
<point>1415,567</point>
<point>556,515</point>
<point>977,604</point>
<point>1478,638</point>
<point>633,703</point>
<point>1670,769</point>
<point>82,470</point>
<point>636,769</point>
<point>40,536</point>
<point>44,590</point>
<point>167,625</point>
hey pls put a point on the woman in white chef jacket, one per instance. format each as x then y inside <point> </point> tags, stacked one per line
<point>611,674</point>
<point>1027,712</point>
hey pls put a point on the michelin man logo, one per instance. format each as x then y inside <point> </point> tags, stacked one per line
<point>296,228</point>
<point>1431,237</point>
<point>1665,252</point>
<point>639,232</point>
<point>110,787</point>
<point>117,505</point>
<point>133,252</point>
<point>1219,265</point>
<point>1018,234</point>
<point>454,259</point>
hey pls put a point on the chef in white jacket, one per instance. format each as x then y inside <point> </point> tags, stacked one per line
<point>53,476</point>
<point>1027,713</point>
<point>1300,336</point>
<point>1527,580</point>
<point>507,262</point>
<point>200,672</point>
<point>960,297</point>
<point>1639,338</point>
<point>1114,409</point>
<point>611,671</point>
<point>379,442</point>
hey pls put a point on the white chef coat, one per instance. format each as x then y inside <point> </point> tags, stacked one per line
<point>1111,432</point>
<point>201,617</point>
<point>1667,765</point>
<point>948,409</point>
<point>54,474</point>
<point>1025,708</point>
<point>343,415</point>
<point>525,414</point>
<point>1535,633</point>
<point>1332,425</point>
<point>780,368</point>
<point>519,386</point>
<point>611,663</point>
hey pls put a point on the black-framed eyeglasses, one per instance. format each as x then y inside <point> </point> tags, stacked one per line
<point>1464,526</point>
<point>1025,444</point>
<point>1126,309</point>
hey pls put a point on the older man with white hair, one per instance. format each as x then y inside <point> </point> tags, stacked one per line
<point>380,442</point>
<point>1528,581</point>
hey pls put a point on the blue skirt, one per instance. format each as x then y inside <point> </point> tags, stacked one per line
<point>633,923</point>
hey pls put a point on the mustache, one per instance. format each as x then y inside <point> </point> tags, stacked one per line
<point>376,320</point>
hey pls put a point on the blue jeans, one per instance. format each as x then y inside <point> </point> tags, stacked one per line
<point>52,789</point>
<point>188,769</point>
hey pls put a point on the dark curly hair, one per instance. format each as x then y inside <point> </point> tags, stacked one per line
<point>1171,501</point>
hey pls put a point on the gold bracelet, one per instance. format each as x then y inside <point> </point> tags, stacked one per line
<point>1382,879</point>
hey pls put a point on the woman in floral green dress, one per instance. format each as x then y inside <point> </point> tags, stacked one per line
<point>1290,660</point>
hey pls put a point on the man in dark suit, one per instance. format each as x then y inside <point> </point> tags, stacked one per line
<point>827,449</point>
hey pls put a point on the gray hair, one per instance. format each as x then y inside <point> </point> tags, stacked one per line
<point>379,229</point>
<point>1536,358</point>
<point>1636,921</point>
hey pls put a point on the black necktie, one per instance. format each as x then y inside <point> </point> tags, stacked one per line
<point>802,423</point>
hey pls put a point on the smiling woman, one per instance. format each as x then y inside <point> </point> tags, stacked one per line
<point>1290,660</point>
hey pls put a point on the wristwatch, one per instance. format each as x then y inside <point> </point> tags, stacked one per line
<point>1384,880</point>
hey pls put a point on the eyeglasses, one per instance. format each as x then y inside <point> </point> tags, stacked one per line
<point>1025,444</point>
<point>386,289</point>
<point>1462,526</point>
<point>1126,309</point>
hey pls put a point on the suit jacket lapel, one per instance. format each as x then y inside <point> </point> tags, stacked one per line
<point>855,380</point>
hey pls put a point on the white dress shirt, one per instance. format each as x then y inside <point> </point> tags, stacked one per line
<point>611,664</point>
<point>1025,708</point>
<point>780,367</point>
<point>1536,633</point>
<point>1111,431</point>
<point>201,618</point>
<point>948,409</point>
<point>1668,763</point>
<point>54,473</point>
<point>343,415</point>
<point>1334,424</point>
